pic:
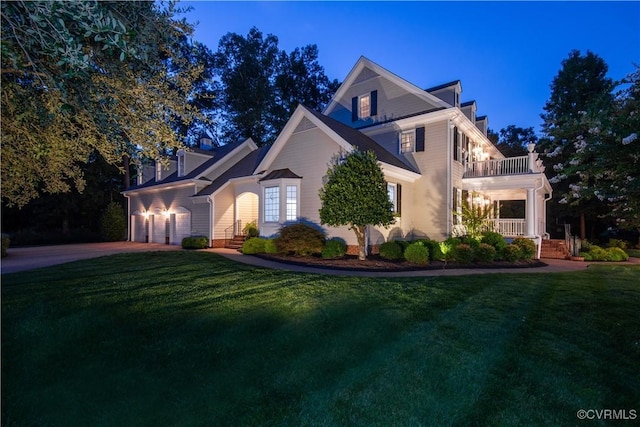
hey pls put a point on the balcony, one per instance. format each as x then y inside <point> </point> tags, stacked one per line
<point>502,167</point>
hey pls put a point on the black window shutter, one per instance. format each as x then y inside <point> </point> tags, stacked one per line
<point>374,103</point>
<point>455,143</point>
<point>354,109</point>
<point>420,139</point>
<point>399,199</point>
<point>455,206</point>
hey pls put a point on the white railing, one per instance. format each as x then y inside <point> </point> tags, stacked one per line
<point>496,167</point>
<point>509,226</point>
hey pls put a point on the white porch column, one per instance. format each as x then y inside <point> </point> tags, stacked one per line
<point>530,217</point>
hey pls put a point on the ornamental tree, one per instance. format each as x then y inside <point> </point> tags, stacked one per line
<point>580,94</point>
<point>355,194</point>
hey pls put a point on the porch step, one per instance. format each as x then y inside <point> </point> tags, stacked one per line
<point>236,242</point>
<point>554,249</point>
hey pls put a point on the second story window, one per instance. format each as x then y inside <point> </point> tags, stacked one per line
<point>364,104</point>
<point>407,140</point>
<point>181,163</point>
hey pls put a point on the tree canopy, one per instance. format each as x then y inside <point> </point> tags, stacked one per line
<point>513,140</point>
<point>84,77</point>
<point>355,194</point>
<point>261,85</point>
<point>580,93</point>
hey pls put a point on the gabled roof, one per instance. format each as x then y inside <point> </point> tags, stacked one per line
<point>362,142</point>
<point>442,86</point>
<point>383,72</point>
<point>467,104</point>
<point>217,154</point>
<point>280,174</point>
<point>243,168</point>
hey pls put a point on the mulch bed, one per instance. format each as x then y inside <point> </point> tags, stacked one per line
<point>376,263</point>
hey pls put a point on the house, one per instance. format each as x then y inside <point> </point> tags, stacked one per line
<point>432,148</point>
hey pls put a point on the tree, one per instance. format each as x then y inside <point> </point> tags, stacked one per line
<point>261,86</point>
<point>606,160</point>
<point>580,93</point>
<point>79,77</point>
<point>355,194</point>
<point>513,140</point>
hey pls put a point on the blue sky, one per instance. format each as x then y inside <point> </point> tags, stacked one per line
<point>505,53</point>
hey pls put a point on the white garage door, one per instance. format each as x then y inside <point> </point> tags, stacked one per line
<point>180,227</point>
<point>159,228</point>
<point>139,232</point>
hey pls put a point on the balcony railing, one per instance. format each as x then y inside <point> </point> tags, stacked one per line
<point>498,167</point>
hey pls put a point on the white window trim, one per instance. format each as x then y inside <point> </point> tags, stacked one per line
<point>282,185</point>
<point>411,132</point>
<point>182,163</point>
<point>277,210</point>
<point>393,199</point>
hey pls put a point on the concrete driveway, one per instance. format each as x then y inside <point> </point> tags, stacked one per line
<point>28,258</point>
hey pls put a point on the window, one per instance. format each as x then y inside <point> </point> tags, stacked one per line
<point>395,196</point>
<point>364,104</point>
<point>407,140</point>
<point>292,202</point>
<point>272,204</point>
<point>457,145</point>
<point>158,170</point>
<point>181,164</point>
<point>457,206</point>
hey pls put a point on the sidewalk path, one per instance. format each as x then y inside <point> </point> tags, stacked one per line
<point>553,266</point>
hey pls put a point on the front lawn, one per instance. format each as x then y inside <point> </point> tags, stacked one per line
<point>189,338</point>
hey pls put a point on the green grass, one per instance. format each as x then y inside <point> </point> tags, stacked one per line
<point>189,338</point>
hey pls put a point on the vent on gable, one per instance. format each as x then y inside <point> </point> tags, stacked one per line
<point>305,124</point>
<point>365,75</point>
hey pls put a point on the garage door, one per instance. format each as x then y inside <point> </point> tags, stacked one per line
<point>180,227</point>
<point>138,233</point>
<point>159,229</point>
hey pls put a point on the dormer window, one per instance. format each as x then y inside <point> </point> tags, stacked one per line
<point>181,163</point>
<point>158,170</point>
<point>364,106</point>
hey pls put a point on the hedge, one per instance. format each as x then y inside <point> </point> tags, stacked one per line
<point>195,242</point>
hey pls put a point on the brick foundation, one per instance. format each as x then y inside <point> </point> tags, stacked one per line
<point>219,243</point>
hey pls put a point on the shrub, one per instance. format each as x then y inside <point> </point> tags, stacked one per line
<point>254,245</point>
<point>512,253</point>
<point>463,253</point>
<point>417,253</point>
<point>5,244</point>
<point>334,248</point>
<point>485,253</point>
<point>270,247</point>
<point>250,230</point>
<point>616,254</point>
<point>471,241</point>
<point>586,245</point>
<point>495,240</point>
<point>195,242</point>
<point>586,256</point>
<point>300,240</point>
<point>447,248</point>
<point>597,253</point>
<point>391,250</point>
<point>527,247</point>
<point>435,254</point>
<point>617,243</point>
<point>113,224</point>
<point>403,244</point>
